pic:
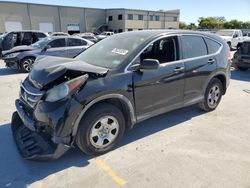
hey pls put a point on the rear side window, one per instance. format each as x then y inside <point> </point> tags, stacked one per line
<point>76,42</point>
<point>212,46</point>
<point>193,46</point>
<point>57,43</point>
<point>27,38</point>
<point>40,35</point>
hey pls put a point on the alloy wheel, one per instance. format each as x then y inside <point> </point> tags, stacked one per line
<point>27,64</point>
<point>104,132</point>
<point>213,96</point>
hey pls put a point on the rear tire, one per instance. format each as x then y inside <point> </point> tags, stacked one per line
<point>212,95</point>
<point>27,63</point>
<point>100,129</point>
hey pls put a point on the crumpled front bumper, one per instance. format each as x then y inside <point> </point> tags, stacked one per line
<point>31,143</point>
<point>11,62</point>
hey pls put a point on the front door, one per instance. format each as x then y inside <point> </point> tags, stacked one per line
<point>56,48</point>
<point>161,90</point>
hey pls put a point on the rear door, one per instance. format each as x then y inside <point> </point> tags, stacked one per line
<point>75,47</point>
<point>57,48</point>
<point>157,91</point>
<point>200,62</point>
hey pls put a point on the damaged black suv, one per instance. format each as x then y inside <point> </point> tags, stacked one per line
<point>129,77</point>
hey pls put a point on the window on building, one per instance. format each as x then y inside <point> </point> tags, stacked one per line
<point>151,18</point>
<point>175,18</point>
<point>193,46</point>
<point>120,31</point>
<point>130,16</point>
<point>110,18</point>
<point>157,18</point>
<point>140,17</point>
<point>130,29</point>
<point>120,17</point>
<point>140,29</point>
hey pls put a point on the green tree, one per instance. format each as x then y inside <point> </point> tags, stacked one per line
<point>183,25</point>
<point>209,23</point>
<point>192,26</point>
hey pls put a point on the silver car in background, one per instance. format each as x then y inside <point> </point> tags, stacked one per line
<point>22,57</point>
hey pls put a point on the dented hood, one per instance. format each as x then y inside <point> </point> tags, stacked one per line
<point>18,49</point>
<point>47,69</point>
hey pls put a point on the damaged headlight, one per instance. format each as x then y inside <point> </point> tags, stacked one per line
<point>65,89</point>
<point>12,55</point>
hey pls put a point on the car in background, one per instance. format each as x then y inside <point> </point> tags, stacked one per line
<point>19,38</point>
<point>90,101</point>
<point>23,57</point>
<point>104,35</point>
<point>241,59</point>
<point>92,37</point>
<point>59,34</point>
<point>231,36</point>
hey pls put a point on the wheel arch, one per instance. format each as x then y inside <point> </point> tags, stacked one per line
<point>28,56</point>
<point>222,77</point>
<point>118,100</point>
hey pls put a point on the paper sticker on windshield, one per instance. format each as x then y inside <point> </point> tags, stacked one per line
<point>120,51</point>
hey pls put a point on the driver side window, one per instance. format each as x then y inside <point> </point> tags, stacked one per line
<point>164,50</point>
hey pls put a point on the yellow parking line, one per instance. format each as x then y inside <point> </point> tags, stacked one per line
<point>109,171</point>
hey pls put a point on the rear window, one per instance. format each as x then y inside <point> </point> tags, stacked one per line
<point>193,46</point>
<point>245,48</point>
<point>212,46</point>
<point>76,42</point>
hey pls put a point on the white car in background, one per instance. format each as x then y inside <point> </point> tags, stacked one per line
<point>231,36</point>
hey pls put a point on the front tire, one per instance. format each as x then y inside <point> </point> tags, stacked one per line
<point>100,129</point>
<point>212,95</point>
<point>26,64</point>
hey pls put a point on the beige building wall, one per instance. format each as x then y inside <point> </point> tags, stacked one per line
<point>44,14</point>
<point>95,18</point>
<point>72,16</point>
<point>166,19</point>
<point>116,24</point>
<point>32,16</point>
<point>12,12</point>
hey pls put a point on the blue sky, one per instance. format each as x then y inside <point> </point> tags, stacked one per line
<point>191,10</point>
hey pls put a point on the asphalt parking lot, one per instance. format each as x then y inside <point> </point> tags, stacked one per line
<point>183,148</point>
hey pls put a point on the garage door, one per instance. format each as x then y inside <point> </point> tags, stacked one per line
<point>46,27</point>
<point>13,26</point>
<point>73,28</point>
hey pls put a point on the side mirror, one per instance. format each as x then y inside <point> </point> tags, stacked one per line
<point>149,64</point>
<point>235,36</point>
<point>46,48</point>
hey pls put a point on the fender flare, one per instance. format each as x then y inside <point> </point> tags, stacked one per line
<point>101,98</point>
<point>212,76</point>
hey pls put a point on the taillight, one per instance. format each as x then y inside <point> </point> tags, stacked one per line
<point>229,55</point>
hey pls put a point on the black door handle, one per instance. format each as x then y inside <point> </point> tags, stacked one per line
<point>211,61</point>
